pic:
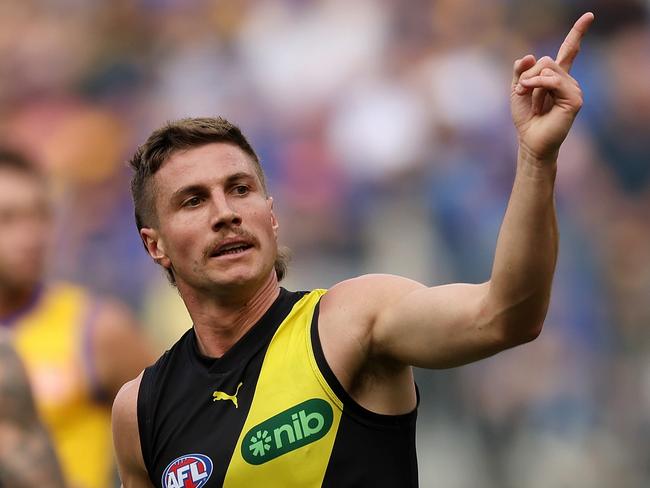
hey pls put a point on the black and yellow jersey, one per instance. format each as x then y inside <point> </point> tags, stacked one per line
<point>268,413</point>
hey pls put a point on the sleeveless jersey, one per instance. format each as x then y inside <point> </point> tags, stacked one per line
<point>269,413</point>
<point>52,336</point>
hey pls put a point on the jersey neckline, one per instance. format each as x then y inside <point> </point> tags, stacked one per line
<point>254,339</point>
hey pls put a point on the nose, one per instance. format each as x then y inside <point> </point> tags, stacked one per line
<point>224,215</point>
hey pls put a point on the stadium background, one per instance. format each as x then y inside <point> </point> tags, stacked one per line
<point>383,126</point>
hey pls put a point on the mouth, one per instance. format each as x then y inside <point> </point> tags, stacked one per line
<point>232,248</point>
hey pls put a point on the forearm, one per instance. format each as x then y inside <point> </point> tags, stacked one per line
<point>527,248</point>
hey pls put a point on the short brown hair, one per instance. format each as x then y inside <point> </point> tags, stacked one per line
<point>175,136</point>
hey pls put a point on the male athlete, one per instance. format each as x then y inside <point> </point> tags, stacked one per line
<point>27,458</point>
<point>279,389</point>
<point>78,350</point>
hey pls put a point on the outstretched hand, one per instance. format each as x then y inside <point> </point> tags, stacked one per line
<point>544,98</point>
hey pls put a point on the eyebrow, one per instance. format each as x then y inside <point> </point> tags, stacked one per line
<point>241,175</point>
<point>187,190</point>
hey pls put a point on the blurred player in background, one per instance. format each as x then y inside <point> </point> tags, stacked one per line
<point>78,350</point>
<point>27,458</point>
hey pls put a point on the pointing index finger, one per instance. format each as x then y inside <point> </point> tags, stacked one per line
<point>571,45</point>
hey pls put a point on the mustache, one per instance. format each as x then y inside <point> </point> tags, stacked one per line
<point>232,234</point>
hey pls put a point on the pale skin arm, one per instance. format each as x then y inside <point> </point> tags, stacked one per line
<point>126,437</point>
<point>400,323</point>
<point>27,458</point>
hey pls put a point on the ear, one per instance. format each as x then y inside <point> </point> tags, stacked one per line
<point>274,220</point>
<point>155,246</point>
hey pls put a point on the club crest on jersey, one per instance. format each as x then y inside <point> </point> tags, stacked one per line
<point>188,471</point>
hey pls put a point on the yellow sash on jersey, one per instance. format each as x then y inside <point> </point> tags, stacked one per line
<point>292,423</point>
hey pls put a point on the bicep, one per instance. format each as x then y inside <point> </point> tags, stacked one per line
<point>437,327</point>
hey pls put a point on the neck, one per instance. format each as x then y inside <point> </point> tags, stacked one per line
<point>220,321</point>
<point>12,300</point>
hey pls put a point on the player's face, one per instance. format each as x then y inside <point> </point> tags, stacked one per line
<point>24,229</point>
<point>215,224</point>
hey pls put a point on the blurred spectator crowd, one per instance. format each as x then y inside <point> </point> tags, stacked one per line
<point>384,129</point>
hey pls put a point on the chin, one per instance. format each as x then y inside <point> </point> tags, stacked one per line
<point>234,280</point>
<point>236,276</point>
<point>243,280</point>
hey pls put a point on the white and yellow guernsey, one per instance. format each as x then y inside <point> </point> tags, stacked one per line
<point>269,413</point>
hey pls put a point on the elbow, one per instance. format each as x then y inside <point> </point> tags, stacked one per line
<point>527,333</point>
<point>522,332</point>
<point>515,329</point>
<point>518,322</point>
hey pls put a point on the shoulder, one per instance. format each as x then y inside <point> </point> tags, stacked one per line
<point>376,283</point>
<point>126,434</point>
<point>125,406</point>
<point>349,311</point>
<point>346,329</point>
<point>364,297</point>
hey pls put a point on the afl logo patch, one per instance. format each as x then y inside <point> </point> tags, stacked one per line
<point>188,471</point>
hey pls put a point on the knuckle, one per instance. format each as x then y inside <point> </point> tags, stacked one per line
<point>545,61</point>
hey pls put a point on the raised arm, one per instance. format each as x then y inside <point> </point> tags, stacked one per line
<point>126,437</point>
<point>451,325</point>
<point>27,458</point>
<point>520,285</point>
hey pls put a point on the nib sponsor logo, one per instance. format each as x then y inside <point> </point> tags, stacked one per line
<point>287,431</point>
<point>189,471</point>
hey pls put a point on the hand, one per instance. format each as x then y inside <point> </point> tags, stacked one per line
<point>545,99</point>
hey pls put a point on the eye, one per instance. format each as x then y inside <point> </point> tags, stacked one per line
<point>241,189</point>
<point>192,202</point>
